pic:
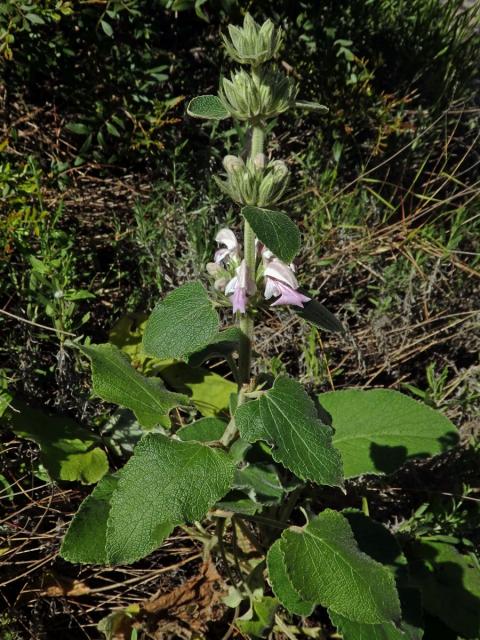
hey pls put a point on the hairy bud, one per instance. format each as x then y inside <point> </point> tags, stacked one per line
<point>253,182</point>
<point>233,163</point>
<point>253,44</point>
<point>260,94</point>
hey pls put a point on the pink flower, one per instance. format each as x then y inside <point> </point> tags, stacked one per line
<point>280,282</point>
<point>240,287</point>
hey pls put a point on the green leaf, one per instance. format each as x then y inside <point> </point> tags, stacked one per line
<point>377,542</point>
<point>34,18</point>
<point>285,418</point>
<point>115,380</point>
<point>208,391</point>
<point>85,540</point>
<point>222,345</point>
<point>5,400</point>
<point>260,482</point>
<point>450,584</point>
<point>281,585</point>
<point>351,630</point>
<point>259,620</point>
<point>376,431</point>
<point>203,430</point>
<point>79,128</point>
<point>106,28</point>
<point>325,565</point>
<point>275,230</point>
<point>184,322</point>
<point>207,108</point>
<point>237,502</point>
<point>67,450</point>
<point>307,105</point>
<point>318,315</point>
<point>165,483</point>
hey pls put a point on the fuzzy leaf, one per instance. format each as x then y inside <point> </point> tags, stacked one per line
<point>115,380</point>
<point>68,451</point>
<point>207,108</point>
<point>318,315</point>
<point>165,483</point>
<point>184,322</point>
<point>325,565</point>
<point>203,430</point>
<point>276,230</point>
<point>307,105</point>
<point>377,542</point>
<point>285,418</point>
<point>376,431</point>
<point>86,537</point>
<point>450,585</point>
<point>281,585</point>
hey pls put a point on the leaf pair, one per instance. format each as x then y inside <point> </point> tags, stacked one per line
<point>210,107</point>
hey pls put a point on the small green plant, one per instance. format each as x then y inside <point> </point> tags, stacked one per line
<point>251,461</point>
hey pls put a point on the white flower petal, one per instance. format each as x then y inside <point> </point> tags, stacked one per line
<point>220,255</point>
<point>231,285</point>
<point>281,271</point>
<point>271,289</point>
<point>227,237</point>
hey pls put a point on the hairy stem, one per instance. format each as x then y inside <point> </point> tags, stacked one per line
<point>246,320</point>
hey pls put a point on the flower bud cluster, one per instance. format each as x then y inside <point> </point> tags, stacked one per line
<point>260,94</point>
<point>253,44</point>
<point>254,182</point>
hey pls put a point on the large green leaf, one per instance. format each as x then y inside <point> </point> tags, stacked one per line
<point>85,540</point>
<point>285,418</point>
<point>281,585</point>
<point>166,482</point>
<point>208,391</point>
<point>377,542</point>
<point>184,322</point>
<point>68,451</point>
<point>208,108</point>
<point>376,431</point>
<point>276,230</point>
<point>450,584</point>
<point>115,380</point>
<point>325,565</point>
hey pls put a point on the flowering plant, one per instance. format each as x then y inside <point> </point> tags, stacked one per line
<point>257,465</point>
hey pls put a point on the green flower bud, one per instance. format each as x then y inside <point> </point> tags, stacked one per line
<point>253,44</point>
<point>253,183</point>
<point>257,95</point>
<point>274,183</point>
<point>233,163</point>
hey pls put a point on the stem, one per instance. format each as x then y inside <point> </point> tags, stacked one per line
<point>246,321</point>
